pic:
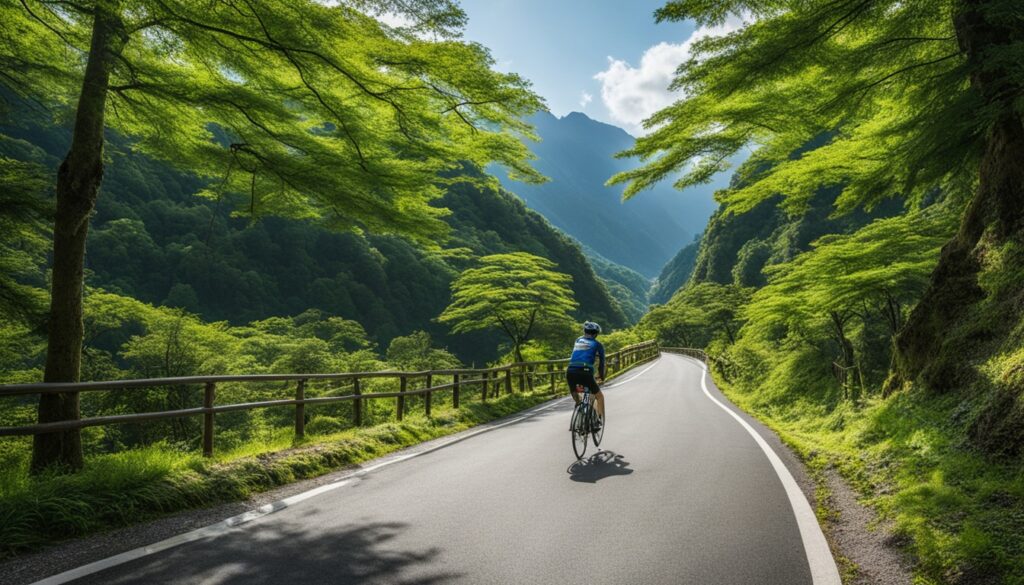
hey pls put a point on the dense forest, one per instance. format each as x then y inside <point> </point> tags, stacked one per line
<point>156,241</point>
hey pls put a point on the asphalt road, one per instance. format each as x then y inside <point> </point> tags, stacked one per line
<point>679,493</point>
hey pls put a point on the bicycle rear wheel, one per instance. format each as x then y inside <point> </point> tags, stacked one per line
<point>598,435</point>
<point>579,432</point>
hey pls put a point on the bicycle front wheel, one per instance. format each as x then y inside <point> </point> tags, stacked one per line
<point>579,432</point>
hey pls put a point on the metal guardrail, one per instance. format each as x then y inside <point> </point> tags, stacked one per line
<point>491,381</point>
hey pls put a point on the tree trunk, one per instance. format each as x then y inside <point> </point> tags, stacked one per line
<point>994,216</point>
<point>839,331</point>
<point>78,182</point>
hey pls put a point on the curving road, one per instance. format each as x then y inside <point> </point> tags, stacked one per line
<point>680,493</point>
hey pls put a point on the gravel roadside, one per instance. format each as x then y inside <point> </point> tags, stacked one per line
<point>852,530</point>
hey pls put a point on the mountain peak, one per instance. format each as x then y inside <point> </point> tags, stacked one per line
<point>579,118</point>
<point>578,154</point>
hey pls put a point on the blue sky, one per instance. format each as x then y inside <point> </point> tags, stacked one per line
<point>561,45</point>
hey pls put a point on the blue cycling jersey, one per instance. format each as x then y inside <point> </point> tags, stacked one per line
<point>585,353</point>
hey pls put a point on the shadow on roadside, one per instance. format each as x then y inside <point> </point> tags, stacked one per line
<point>296,551</point>
<point>598,466</point>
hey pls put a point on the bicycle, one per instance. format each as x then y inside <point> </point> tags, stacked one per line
<point>584,415</point>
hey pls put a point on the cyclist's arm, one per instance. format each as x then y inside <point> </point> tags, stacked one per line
<point>600,354</point>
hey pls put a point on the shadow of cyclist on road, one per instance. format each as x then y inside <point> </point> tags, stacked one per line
<point>598,466</point>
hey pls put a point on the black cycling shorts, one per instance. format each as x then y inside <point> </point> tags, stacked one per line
<point>581,378</point>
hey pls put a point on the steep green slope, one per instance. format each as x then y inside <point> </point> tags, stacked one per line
<point>736,248</point>
<point>626,285</point>
<point>155,241</point>
<point>676,273</point>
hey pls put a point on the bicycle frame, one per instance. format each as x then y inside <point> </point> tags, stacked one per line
<point>581,429</point>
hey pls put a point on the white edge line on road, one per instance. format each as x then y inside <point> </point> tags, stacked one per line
<point>819,556</point>
<point>631,378</point>
<point>235,521</point>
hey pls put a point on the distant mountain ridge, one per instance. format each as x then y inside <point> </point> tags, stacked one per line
<point>578,154</point>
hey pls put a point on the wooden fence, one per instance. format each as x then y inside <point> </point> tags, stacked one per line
<point>491,382</point>
<point>698,354</point>
<point>849,378</point>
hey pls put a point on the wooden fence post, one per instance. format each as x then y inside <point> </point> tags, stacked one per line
<point>400,411</point>
<point>426,397</point>
<point>455,391</point>
<point>300,409</point>
<point>522,378</point>
<point>208,397</point>
<point>483,386</point>
<point>357,403</point>
<point>552,375</point>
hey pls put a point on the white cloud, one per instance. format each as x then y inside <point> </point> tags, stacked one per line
<point>585,98</point>
<point>632,94</point>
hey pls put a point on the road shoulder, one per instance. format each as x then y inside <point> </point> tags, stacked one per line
<point>864,548</point>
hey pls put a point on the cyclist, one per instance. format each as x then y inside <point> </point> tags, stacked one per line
<point>587,353</point>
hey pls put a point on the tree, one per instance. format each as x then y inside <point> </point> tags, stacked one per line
<point>872,274</point>
<point>310,109</point>
<point>908,97</point>
<point>514,292</point>
<point>416,352</point>
<point>698,313</point>
<point>23,240</point>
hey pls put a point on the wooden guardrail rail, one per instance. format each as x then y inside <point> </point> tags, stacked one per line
<point>699,354</point>
<point>491,382</point>
<point>849,378</point>
<point>724,367</point>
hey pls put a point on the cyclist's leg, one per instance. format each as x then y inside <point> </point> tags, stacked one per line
<point>573,379</point>
<point>598,395</point>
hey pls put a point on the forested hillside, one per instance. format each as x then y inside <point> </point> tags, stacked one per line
<point>156,241</point>
<point>676,273</point>
<point>627,286</point>
<point>738,247</point>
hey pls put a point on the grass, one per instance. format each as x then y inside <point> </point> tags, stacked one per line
<point>120,489</point>
<point>960,511</point>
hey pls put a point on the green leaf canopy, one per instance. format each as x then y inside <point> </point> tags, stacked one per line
<point>888,81</point>
<point>308,109</point>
